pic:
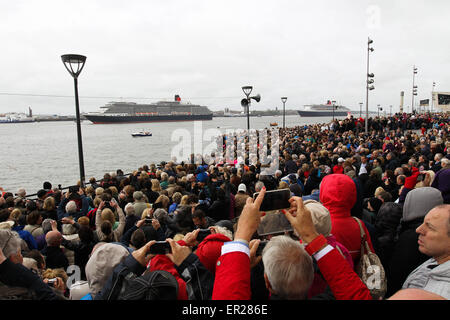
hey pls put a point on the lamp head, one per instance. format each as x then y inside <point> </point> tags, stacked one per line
<point>247,90</point>
<point>284,99</point>
<point>74,63</point>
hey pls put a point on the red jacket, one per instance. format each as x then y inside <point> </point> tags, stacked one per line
<point>338,169</point>
<point>410,182</point>
<point>338,195</point>
<point>232,280</point>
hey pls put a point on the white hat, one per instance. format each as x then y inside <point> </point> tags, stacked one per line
<point>242,187</point>
<point>320,216</point>
<point>6,224</point>
<point>341,160</point>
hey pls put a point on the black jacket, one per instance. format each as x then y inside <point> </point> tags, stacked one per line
<point>199,281</point>
<point>55,258</point>
<point>16,275</point>
<point>219,210</point>
<point>386,225</point>
<point>82,251</point>
<point>405,256</point>
<point>392,164</point>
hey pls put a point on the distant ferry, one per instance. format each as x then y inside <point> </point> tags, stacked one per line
<point>324,110</point>
<point>162,111</point>
<point>15,118</point>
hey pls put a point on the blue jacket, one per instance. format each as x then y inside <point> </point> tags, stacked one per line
<point>25,235</point>
<point>312,196</point>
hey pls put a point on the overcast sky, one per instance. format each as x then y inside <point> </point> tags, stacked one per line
<point>206,50</point>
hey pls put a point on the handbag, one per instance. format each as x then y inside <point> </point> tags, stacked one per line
<point>370,269</point>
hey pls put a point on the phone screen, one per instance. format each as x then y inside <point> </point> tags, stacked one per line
<point>160,247</point>
<point>203,233</point>
<point>275,200</point>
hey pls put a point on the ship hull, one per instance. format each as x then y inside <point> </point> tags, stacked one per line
<point>105,119</point>
<point>305,113</point>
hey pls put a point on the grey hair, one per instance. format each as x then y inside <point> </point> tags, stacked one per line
<point>288,267</point>
<point>10,242</point>
<point>129,209</point>
<point>258,186</point>
<point>160,214</point>
<point>71,207</point>
<point>21,192</point>
<point>47,225</point>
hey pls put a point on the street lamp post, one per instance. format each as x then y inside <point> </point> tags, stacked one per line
<point>74,63</point>
<point>414,89</point>
<point>284,99</point>
<point>246,102</point>
<point>369,80</point>
<point>360,109</point>
<point>379,109</point>
<point>432,97</point>
<point>333,103</point>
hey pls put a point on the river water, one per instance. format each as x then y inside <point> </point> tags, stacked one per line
<point>32,153</point>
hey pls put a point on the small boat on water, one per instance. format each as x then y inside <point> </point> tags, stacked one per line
<point>273,124</point>
<point>142,134</point>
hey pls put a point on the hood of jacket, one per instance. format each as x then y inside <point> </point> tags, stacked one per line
<point>338,194</point>
<point>419,201</point>
<point>102,263</point>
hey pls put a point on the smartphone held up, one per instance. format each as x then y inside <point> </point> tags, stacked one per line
<point>275,200</point>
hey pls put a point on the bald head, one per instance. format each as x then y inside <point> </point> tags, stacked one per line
<point>53,238</point>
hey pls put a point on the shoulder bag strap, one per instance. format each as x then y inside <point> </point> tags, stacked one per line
<point>363,236</point>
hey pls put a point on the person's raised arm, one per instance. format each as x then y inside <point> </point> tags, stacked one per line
<point>232,280</point>
<point>98,215</point>
<point>121,227</point>
<point>342,279</point>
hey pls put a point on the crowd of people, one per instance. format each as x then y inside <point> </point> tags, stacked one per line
<point>194,230</point>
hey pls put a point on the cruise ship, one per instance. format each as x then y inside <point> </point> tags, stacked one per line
<point>161,111</point>
<point>324,110</point>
